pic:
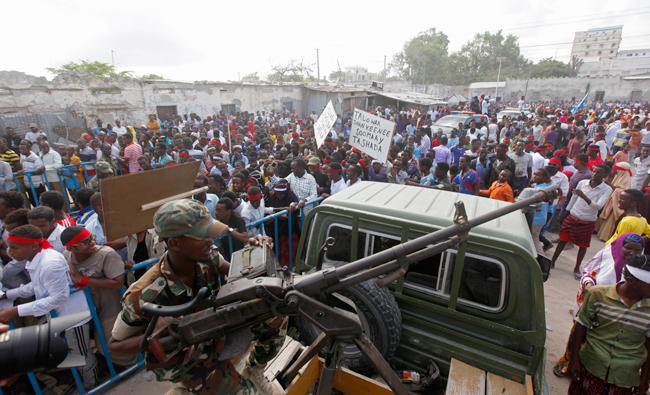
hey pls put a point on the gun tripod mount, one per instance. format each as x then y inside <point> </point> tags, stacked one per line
<point>338,326</point>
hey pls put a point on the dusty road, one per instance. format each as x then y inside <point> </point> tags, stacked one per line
<point>559,295</point>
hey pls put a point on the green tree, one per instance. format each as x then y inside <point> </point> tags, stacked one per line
<point>336,76</point>
<point>291,72</point>
<point>548,67</point>
<point>424,59</point>
<point>100,69</point>
<point>252,77</point>
<point>477,59</point>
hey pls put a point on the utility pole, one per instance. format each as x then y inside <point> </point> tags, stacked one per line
<point>113,57</point>
<point>385,73</point>
<point>317,67</point>
<point>496,88</point>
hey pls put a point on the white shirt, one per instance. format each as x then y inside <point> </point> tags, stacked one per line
<point>32,162</point>
<point>95,227</point>
<point>485,106</point>
<point>560,179</point>
<point>537,132</point>
<point>338,186</point>
<point>119,131</point>
<point>33,137</point>
<point>538,161</point>
<point>304,187</point>
<point>50,284</point>
<point>640,170</point>
<point>599,195</point>
<point>52,162</point>
<point>493,129</point>
<point>6,177</point>
<point>55,238</point>
<point>251,214</point>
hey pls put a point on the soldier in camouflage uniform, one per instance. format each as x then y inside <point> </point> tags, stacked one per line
<point>103,170</point>
<point>190,263</point>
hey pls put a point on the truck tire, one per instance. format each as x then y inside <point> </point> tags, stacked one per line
<point>381,322</point>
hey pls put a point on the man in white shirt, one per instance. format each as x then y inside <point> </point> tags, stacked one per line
<point>302,184</point>
<point>539,160</point>
<point>493,130</point>
<point>32,136</point>
<point>118,129</point>
<point>48,271</point>
<point>42,217</point>
<point>537,132</point>
<point>51,164</point>
<point>30,162</point>
<point>579,219</point>
<point>254,210</point>
<point>641,167</point>
<point>337,183</point>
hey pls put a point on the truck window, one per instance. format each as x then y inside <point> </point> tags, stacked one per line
<point>483,281</point>
<point>340,251</point>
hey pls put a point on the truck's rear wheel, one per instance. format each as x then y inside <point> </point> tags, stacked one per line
<point>380,318</point>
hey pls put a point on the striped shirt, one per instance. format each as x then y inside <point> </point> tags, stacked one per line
<point>10,157</point>
<point>614,349</point>
<point>67,221</point>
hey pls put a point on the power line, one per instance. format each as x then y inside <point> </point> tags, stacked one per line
<point>576,21</point>
<point>581,17</point>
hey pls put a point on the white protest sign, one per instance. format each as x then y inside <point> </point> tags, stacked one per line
<point>323,124</point>
<point>371,134</point>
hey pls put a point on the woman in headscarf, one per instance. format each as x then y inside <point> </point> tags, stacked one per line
<point>611,212</point>
<point>630,202</point>
<point>605,268</point>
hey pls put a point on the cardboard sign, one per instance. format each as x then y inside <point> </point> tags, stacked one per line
<point>323,124</point>
<point>371,134</point>
<point>124,196</point>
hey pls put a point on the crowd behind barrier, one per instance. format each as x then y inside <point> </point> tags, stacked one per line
<point>115,375</point>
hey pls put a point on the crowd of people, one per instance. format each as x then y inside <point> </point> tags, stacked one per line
<point>257,164</point>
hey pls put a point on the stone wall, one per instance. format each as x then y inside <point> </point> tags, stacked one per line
<point>558,89</point>
<point>258,97</point>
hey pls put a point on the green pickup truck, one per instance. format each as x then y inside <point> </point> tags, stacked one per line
<point>481,303</point>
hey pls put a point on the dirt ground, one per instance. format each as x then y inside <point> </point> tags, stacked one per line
<point>559,297</point>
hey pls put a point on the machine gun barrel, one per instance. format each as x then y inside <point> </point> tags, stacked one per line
<point>390,259</point>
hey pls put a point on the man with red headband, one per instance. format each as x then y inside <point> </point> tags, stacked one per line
<point>47,269</point>
<point>101,269</point>
<point>254,210</point>
<point>593,154</point>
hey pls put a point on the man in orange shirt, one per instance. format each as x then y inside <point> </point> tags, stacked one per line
<point>153,125</point>
<point>500,189</point>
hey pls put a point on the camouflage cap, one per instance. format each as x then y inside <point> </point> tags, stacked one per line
<point>186,217</point>
<point>103,168</point>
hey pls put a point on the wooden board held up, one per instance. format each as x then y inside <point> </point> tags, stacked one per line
<point>123,197</point>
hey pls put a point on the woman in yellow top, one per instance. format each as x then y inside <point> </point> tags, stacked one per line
<point>632,221</point>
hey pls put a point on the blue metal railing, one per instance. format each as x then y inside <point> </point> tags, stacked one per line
<point>115,376</point>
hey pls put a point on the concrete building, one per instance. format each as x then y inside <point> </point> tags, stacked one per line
<point>627,62</point>
<point>600,44</point>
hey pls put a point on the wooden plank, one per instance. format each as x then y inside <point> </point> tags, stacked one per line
<point>123,197</point>
<point>289,349</point>
<point>497,385</point>
<point>305,378</point>
<point>352,383</point>
<point>465,379</point>
<point>530,390</point>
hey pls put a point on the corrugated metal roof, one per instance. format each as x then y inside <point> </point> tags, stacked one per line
<point>436,208</point>
<point>412,97</point>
